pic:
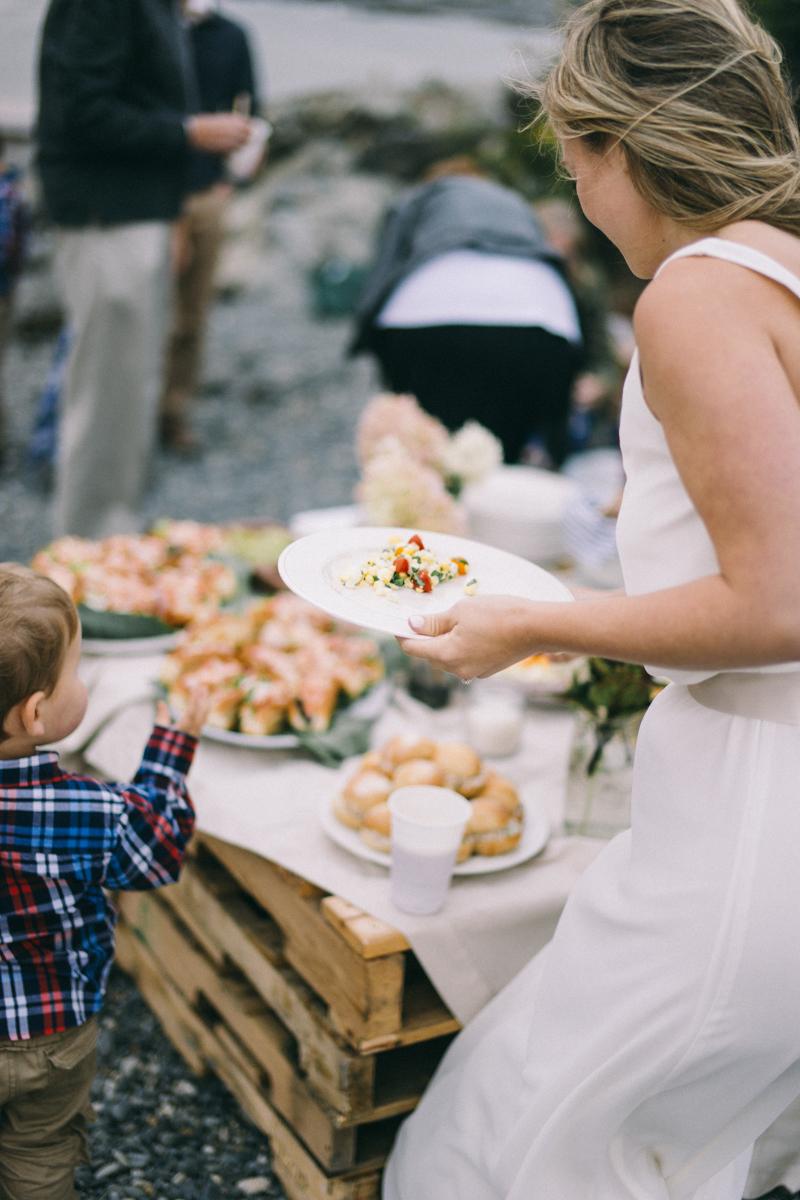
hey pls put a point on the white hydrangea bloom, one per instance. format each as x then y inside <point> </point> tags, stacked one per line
<point>471,453</point>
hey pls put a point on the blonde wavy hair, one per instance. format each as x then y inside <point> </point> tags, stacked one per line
<point>693,92</point>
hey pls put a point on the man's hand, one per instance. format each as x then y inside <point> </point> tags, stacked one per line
<point>192,718</point>
<point>218,133</point>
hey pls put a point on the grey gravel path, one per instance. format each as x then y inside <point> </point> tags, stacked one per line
<point>279,405</point>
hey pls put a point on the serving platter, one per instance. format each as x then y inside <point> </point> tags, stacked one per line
<point>368,707</point>
<point>130,647</point>
<point>310,567</point>
<point>535,834</point>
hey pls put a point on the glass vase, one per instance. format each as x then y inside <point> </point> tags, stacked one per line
<point>601,776</point>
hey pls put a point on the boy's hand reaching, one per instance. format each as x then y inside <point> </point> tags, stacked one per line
<point>192,718</point>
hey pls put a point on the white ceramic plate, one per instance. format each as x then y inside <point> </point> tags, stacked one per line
<point>535,832</point>
<point>130,647</point>
<point>311,566</point>
<point>369,705</point>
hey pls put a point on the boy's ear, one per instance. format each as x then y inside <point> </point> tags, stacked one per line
<point>24,719</point>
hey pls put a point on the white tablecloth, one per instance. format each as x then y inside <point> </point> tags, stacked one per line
<point>267,801</point>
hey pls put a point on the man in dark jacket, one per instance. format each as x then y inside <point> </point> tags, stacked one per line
<point>116,91</point>
<point>225,82</point>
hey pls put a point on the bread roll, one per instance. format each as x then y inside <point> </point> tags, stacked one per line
<point>372,761</point>
<point>490,829</point>
<point>376,830</point>
<point>418,770</point>
<point>472,787</point>
<point>457,760</point>
<point>404,746</point>
<point>361,793</point>
<point>499,788</point>
<point>465,851</point>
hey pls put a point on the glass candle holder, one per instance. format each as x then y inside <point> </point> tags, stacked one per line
<point>494,721</point>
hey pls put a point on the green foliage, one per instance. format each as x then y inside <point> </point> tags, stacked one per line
<point>613,690</point>
<point>527,159</point>
<point>782,19</point>
<point>612,693</point>
<point>102,625</point>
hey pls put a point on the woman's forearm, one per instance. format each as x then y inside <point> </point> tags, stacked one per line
<point>704,625</point>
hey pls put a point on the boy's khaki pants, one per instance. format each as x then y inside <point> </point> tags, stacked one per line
<point>44,1106</point>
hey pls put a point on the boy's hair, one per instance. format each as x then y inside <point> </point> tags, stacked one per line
<point>37,624</point>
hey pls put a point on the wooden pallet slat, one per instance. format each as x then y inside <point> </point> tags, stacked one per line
<point>317,1016</point>
<point>369,936</point>
<point>300,1175</point>
<point>365,992</point>
<point>338,1074</point>
<point>365,996</point>
<point>337,1143</point>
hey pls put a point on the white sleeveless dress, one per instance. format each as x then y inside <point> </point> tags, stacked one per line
<point>642,1052</point>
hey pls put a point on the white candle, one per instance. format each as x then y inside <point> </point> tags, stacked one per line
<point>494,725</point>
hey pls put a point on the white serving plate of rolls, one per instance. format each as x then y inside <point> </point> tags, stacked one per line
<point>365,784</point>
<point>535,834</point>
<point>311,566</point>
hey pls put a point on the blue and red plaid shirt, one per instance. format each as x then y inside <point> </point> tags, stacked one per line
<point>63,839</point>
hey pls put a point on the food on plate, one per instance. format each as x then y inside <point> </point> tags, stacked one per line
<point>362,792</point>
<point>404,564</point>
<point>457,759</point>
<point>166,574</point>
<point>373,761</point>
<point>404,746</point>
<point>490,830</point>
<point>496,818</point>
<point>282,662</point>
<point>418,770</point>
<point>376,830</point>
<point>462,768</point>
<point>258,545</point>
<point>497,787</point>
<point>540,674</point>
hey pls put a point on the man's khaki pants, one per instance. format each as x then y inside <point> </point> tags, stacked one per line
<point>115,281</point>
<point>199,236</point>
<point>44,1107</point>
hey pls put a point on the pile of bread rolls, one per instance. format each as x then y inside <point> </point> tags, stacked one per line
<point>495,825</point>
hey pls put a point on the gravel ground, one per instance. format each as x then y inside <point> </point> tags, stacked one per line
<point>280,400</point>
<point>161,1132</point>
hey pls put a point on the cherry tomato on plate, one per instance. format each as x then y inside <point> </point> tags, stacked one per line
<point>417,541</point>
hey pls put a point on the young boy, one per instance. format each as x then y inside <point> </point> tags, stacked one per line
<point>63,838</point>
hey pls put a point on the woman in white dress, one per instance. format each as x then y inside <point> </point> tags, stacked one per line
<point>647,1048</point>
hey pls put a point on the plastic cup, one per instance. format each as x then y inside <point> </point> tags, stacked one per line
<point>427,827</point>
<point>243,163</point>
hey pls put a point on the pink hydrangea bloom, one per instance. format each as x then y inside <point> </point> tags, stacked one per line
<point>396,489</point>
<point>400,417</point>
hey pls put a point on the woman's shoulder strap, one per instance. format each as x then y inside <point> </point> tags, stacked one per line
<point>742,255</point>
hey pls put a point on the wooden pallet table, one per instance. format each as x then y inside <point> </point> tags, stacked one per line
<point>315,1015</point>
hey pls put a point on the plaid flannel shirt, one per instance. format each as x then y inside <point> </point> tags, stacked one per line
<point>63,839</point>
